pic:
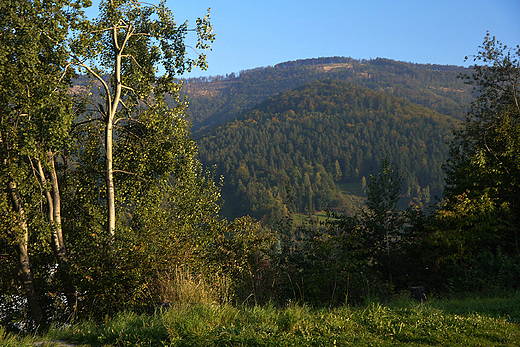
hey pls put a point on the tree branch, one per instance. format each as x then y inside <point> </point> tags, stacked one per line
<point>130,173</point>
<point>133,58</point>
<point>84,122</point>
<point>129,34</point>
<point>105,85</point>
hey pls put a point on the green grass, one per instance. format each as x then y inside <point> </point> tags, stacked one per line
<point>354,192</point>
<point>470,322</point>
<point>302,219</point>
<point>502,306</point>
<point>352,188</point>
<point>11,340</point>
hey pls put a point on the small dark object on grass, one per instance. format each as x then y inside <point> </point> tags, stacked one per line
<point>419,293</point>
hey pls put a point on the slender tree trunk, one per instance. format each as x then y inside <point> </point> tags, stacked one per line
<point>24,268</point>
<point>109,135</point>
<point>111,204</point>
<point>57,240</point>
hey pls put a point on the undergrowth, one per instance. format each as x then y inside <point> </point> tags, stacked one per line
<point>471,322</point>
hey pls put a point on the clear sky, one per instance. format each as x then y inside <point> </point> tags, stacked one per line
<point>259,33</point>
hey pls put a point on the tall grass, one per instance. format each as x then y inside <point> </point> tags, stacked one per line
<point>183,286</point>
<point>401,323</point>
<point>11,340</point>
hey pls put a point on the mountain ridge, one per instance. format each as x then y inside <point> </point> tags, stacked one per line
<point>217,99</point>
<point>433,93</point>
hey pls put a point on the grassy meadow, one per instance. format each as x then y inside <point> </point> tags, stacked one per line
<point>353,192</point>
<point>473,321</point>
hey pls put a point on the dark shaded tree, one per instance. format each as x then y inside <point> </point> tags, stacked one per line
<point>483,170</point>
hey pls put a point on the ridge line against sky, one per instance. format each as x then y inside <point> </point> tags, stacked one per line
<point>251,34</point>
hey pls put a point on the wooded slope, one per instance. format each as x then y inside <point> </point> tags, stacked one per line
<point>298,149</point>
<point>217,99</point>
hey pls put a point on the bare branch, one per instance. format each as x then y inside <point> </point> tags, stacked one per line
<point>124,105</point>
<point>494,155</point>
<point>62,75</point>
<point>133,58</point>
<point>101,30</point>
<point>129,88</point>
<point>143,34</point>
<point>114,38</point>
<point>144,2</point>
<point>105,85</point>
<point>130,173</point>
<point>129,34</point>
<point>84,122</point>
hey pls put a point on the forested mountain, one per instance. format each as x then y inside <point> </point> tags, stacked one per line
<point>322,153</point>
<point>217,99</point>
<point>294,151</point>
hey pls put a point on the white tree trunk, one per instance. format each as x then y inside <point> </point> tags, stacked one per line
<point>109,136</point>
<point>111,203</point>
<point>57,240</point>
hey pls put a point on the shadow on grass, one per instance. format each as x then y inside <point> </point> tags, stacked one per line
<point>504,305</point>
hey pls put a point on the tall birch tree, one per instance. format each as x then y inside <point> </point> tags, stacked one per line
<point>134,51</point>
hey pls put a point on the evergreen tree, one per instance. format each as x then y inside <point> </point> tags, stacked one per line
<point>382,220</point>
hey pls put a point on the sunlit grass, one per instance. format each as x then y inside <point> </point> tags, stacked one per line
<point>471,322</point>
<point>303,219</point>
<point>12,340</point>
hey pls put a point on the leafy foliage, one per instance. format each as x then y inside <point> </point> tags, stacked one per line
<point>483,191</point>
<point>472,241</point>
<point>141,197</point>
<point>167,203</point>
<point>36,114</point>
<point>140,213</point>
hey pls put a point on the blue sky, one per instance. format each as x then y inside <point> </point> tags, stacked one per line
<point>258,33</point>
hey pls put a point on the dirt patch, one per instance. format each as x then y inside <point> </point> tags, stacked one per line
<point>329,67</point>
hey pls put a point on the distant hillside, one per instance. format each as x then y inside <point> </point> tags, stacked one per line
<point>300,149</point>
<point>218,99</point>
<point>308,131</point>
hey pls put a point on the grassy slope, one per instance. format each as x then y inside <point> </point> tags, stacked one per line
<point>470,322</point>
<point>351,191</point>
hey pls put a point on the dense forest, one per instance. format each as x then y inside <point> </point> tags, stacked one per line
<point>220,98</point>
<point>346,153</point>
<point>294,150</point>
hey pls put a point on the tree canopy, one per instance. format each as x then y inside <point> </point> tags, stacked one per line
<point>483,170</point>
<point>320,138</point>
